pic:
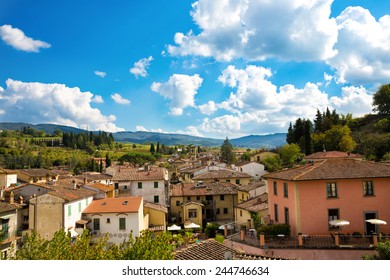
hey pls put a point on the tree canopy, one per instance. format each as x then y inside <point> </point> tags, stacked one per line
<point>227,154</point>
<point>381,100</point>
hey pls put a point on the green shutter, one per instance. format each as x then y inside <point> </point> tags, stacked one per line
<point>140,185</point>
<point>122,223</point>
<point>155,185</point>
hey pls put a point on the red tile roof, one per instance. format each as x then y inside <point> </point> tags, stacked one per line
<point>129,204</point>
<point>221,174</point>
<point>329,169</point>
<point>214,188</point>
<point>155,173</point>
<point>255,204</point>
<point>332,154</point>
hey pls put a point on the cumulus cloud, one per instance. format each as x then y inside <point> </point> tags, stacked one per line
<point>363,47</point>
<point>140,128</point>
<point>100,74</point>
<point>97,99</point>
<point>180,90</point>
<point>257,30</point>
<point>355,100</point>
<point>52,103</point>
<point>140,67</point>
<point>18,40</point>
<point>209,108</point>
<point>119,99</point>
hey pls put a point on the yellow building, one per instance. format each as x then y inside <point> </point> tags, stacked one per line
<point>216,199</point>
<point>36,175</point>
<point>232,176</point>
<point>157,216</point>
<point>260,156</point>
<point>256,205</point>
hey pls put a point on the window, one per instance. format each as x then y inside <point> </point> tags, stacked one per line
<point>156,199</point>
<point>237,181</point>
<point>333,214</point>
<point>240,213</point>
<point>285,189</point>
<point>286,216</point>
<point>276,212</point>
<point>116,186</point>
<point>242,196</point>
<point>225,210</point>
<point>122,223</point>
<point>140,185</point>
<point>209,197</point>
<point>218,211</point>
<point>222,197</point>
<point>69,210</point>
<point>86,202</point>
<point>96,224</point>
<point>228,180</point>
<point>198,198</point>
<point>331,189</point>
<point>192,213</point>
<point>368,188</point>
<point>177,203</point>
<point>188,198</point>
<point>108,220</point>
<point>79,207</point>
<point>275,188</point>
<point>156,185</point>
<point>125,187</point>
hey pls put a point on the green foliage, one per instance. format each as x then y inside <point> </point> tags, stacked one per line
<point>275,229</point>
<point>290,154</point>
<point>220,238</point>
<point>383,252</point>
<point>272,163</point>
<point>381,100</point>
<point>137,158</point>
<point>227,154</point>
<point>337,138</point>
<point>256,219</point>
<point>211,229</point>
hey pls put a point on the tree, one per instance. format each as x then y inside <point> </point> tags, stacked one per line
<point>227,154</point>
<point>381,100</point>
<point>108,160</point>
<point>272,164</point>
<point>152,150</point>
<point>290,154</point>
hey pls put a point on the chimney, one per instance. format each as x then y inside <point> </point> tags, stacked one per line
<point>11,198</point>
<point>21,200</point>
<point>85,179</point>
<point>74,184</point>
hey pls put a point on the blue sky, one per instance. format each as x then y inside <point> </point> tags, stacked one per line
<point>215,68</point>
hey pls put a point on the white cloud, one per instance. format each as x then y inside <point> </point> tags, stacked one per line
<point>140,128</point>
<point>180,90</point>
<point>141,66</point>
<point>256,30</point>
<point>355,100</point>
<point>52,103</point>
<point>222,126</point>
<point>209,108</point>
<point>119,99</point>
<point>363,48</point>
<point>100,74</point>
<point>18,40</point>
<point>97,99</point>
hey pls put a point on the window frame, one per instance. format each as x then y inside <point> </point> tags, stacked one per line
<point>275,185</point>
<point>331,190</point>
<point>139,185</point>
<point>368,190</point>
<point>333,217</point>
<point>285,190</point>
<point>155,185</point>
<point>96,223</point>
<point>122,223</point>
<point>276,212</point>
<point>156,199</point>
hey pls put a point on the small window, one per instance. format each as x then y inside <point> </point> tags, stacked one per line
<point>116,186</point>
<point>122,223</point>
<point>69,210</point>
<point>276,212</point>
<point>285,189</point>
<point>218,211</point>
<point>240,213</point>
<point>286,216</point>
<point>225,210</point>
<point>96,224</point>
<point>79,207</point>
<point>198,198</point>
<point>192,213</point>
<point>188,198</point>
<point>125,187</point>
<point>331,189</point>
<point>275,188</point>
<point>177,203</point>
<point>333,214</point>
<point>368,188</point>
<point>156,185</point>
<point>237,181</point>
<point>140,185</point>
<point>108,220</point>
<point>156,199</point>
<point>228,180</point>
<point>222,197</point>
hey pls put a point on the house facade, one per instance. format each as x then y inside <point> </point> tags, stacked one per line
<point>308,197</point>
<point>9,228</point>
<point>151,183</point>
<point>254,206</point>
<point>254,169</point>
<point>117,217</point>
<point>7,178</point>
<point>36,175</point>
<point>236,177</point>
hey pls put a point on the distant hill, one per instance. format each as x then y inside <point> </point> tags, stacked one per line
<point>142,137</point>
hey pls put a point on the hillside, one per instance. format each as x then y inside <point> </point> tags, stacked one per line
<point>142,137</point>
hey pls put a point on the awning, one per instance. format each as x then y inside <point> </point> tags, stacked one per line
<point>83,222</point>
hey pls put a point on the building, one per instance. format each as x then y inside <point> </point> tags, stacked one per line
<point>150,182</point>
<point>102,190</point>
<point>117,217</point>
<point>59,209</point>
<point>254,169</point>
<point>36,175</point>
<point>157,216</point>
<point>10,232</point>
<point>309,196</point>
<point>256,205</point>
<point>239,178</point>
<point>260,156</point>
<point>7,178</point>
<point>209,201</point>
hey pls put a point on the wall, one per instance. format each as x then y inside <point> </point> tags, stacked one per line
<point>76,212</point>
<point>148,190</point>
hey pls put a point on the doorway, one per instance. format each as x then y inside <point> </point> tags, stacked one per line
<point>368,227</point>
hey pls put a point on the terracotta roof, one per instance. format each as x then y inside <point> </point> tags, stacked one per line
<point>41,172</point>
<point>94,177</point>
<point>7,171</point>
<point>214,188</point>
<point>332,154</point>
<point>101,187</point>
<point>329,169</point>
<point>157,207</point>
<point>221,174</point>
<point>6,207</point>
<point>155,173</point>
<point>211,249</point>
<point>251,186</point>
<point>66,189</point>
<point>129,204</point>
<point>255,204</point>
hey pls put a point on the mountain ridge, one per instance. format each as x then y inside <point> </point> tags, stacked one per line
<point>141,137</point>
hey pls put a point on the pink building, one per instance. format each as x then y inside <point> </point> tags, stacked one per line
<point>309,196</point>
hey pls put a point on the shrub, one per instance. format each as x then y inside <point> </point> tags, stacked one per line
<point>211,229</point>
<point>275,229</point>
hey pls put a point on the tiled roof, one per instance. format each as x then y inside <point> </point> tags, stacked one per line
<point>7,171</point>
<point>101,187</point>
<point>94,177</point>
<point>255,204</point>
<point>129,204</point>
<point>214,188</point>
<point>40,172</point>
<point>251,186</point>
<point>157,207</point>
<point>6,207</point>
<point>155,173</point>
<point>329,169</point>
<point>221,174</point>
<point>211,249</point>
<point>332,154</point>
<point>66,190</point>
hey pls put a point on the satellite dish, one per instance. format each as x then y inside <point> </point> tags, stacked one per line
<point>228,255</point>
